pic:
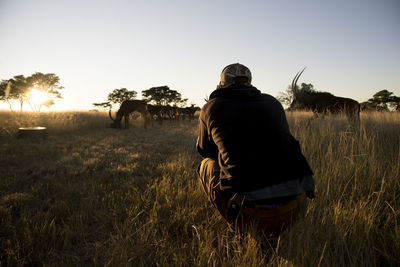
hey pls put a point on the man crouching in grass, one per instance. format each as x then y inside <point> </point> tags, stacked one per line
<point>253,169</point>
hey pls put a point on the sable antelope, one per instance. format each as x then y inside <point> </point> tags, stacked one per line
<point>170,112</point>
<point>180,113</point>
<point>322,102</point>
<point>157,111</point>
<point>126,108</point>
<point>188,111</point>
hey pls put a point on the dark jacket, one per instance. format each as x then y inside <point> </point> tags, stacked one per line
<point>248,133</point>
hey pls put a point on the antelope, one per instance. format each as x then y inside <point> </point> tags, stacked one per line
<point>170,112</point>
<point>323,102</point>
<point>155,110</point>
<point>188,111</point>
<point>126,108</point>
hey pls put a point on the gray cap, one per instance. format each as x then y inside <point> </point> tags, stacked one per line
<point>234,72</point>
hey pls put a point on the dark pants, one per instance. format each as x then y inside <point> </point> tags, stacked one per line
<point>267,220</point>
<point>209,171</point>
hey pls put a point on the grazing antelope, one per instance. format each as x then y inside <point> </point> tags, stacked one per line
<point>126,108</point>
<point>188,111</point>
<point>180,113</point>
<point>170,112</point>
<point>322,102</point>
<point>155,111</point>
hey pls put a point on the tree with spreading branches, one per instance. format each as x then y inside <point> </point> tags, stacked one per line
<point>19,87</point>
<point>163,95</point>
<point>382,101</point>
<point>117,96</point>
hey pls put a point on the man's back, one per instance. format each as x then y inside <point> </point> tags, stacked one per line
<point>253,142</point>
<point>253,169</point>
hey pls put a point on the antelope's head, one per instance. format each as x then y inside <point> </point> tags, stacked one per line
<point>296,92</point>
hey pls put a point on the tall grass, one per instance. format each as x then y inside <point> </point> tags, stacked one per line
<point>92,195</point>
<point>355,216</point>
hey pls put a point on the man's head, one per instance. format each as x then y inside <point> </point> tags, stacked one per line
<point>235,74</point>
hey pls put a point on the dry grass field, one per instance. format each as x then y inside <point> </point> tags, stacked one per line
<point>89,195</point>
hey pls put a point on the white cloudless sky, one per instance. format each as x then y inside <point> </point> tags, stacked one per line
<point>351,48</point>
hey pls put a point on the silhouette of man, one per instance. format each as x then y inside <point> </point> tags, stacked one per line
<point>253,169</point>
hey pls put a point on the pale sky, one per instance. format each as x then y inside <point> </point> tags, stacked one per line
<point>351,48</point>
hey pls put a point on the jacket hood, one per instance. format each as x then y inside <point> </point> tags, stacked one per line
<point>235,91</point>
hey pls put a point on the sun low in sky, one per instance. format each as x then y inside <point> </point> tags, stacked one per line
<point>37,97</point>
<point>350,48</point>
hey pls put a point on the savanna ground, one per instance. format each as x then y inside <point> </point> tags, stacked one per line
<point>91,195</point>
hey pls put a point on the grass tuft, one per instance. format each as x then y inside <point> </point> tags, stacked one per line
<point>92,195</point>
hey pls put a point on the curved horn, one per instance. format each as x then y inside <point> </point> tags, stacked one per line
<point>109,113</point>
<point>295,79</point>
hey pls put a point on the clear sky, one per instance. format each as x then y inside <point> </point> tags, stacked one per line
<point>351,48</point>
